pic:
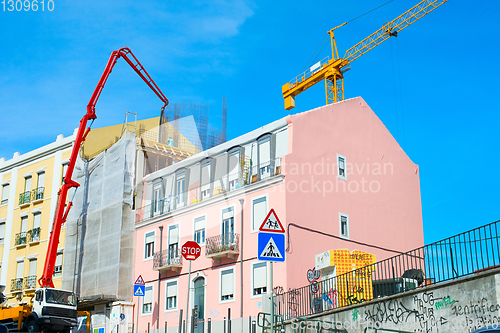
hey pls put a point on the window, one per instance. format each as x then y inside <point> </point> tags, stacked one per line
<point>27,184</point>
<point>227,236</point>
<point>180,188</point>
<point>32,267</point>
<point>171,295</point>
<point>264,157</point>
<point>20,269</point>
<point>41,179</point>
<point>234,169</point>
<point>35,233</point>
<point>157,199</point>
<point>2,231</point>
<point>149,248</point>
<point>344,225</point>
<point>65,168</point>
<point>341,163</point>
<point>5,194</point>
<point>173,241</point>
<point>259,211</point>
<point>58,265</point>
<point>24,228</point>
<point>259,278</point>
<point>147,301</point>
<point>227,285</point>
<point>199,230</point>
<point>206,179</point>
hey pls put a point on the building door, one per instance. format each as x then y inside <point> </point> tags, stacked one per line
<point>199,304</point>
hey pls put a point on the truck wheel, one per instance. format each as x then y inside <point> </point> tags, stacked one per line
<point>32,326</point>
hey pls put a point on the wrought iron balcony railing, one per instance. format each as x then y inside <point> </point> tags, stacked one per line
<point>24,198</point>
<point>57,270</point>
<point>167,258</point>
<point>221,244</point>
<point>21,238</point>
<point>37,194</point>
<point>16,284</point>
<point>33,235</point>
<point>29,282</point>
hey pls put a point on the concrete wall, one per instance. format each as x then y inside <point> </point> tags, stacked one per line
<point>463,305</point>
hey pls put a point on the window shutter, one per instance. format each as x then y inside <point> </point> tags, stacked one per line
<point>5,193</point>
<point>41,179</point>
<point>150,237</point>
<point>32,267</point>
<point>199,223</point>
<point>24,224</point>
<point>227,281</point>
<point>259,275</point>
<point>171,289</point>
<point>59,260</point>
<point>227,213</point>
<point>20,269</point>
<point>259,212</point>
<point>265,150</point>
<point>148,297</point>
<point>173,236</point>
<point>2,231</point>
<point>36,222</point>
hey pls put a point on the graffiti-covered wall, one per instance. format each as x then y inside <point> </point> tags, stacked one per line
<point>463,305</point>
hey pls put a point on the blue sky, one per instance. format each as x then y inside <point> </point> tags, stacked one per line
<point>434,87</point>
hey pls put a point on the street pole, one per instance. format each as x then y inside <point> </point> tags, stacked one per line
<point>137,316</point>
<point>272,300</point>
<point>187,303</point>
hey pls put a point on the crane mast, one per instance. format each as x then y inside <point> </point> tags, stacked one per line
<point>332,70</point>
<point>62,211</point>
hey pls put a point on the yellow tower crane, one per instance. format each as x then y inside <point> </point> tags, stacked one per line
<point>332,70</point>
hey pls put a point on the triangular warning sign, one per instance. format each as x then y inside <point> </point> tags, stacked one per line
<point>272,223</point>
<point>271,250</point>
<point>138,292</point>
<point>139,280</point>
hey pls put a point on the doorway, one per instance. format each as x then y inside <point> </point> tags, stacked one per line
<point>199,304</point>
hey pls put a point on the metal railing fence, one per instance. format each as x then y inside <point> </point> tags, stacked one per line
<point>461,255</point>
<point>167,258</point>
<point>222,243</point>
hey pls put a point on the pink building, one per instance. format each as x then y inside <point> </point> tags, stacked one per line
<point>337,180</point>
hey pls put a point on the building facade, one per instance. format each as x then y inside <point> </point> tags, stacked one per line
<point>336,178</point>
<point>29,187</point>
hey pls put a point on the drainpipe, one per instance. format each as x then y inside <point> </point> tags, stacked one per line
<point>159,279</point>
<point>241,259</point>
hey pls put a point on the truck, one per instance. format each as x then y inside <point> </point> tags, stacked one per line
<point>50,309</point>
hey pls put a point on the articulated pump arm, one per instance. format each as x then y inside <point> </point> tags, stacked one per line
<point>62,213</point>
<point>332,70</point>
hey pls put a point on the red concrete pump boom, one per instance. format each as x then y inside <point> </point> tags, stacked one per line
<point>61,214</point>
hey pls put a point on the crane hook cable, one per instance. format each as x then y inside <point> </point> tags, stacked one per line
<point>323,41</point>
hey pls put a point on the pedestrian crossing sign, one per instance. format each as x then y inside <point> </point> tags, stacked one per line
<point>139,290</point>
<point>271,247</point>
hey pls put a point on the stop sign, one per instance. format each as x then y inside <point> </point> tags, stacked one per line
<point>191,250</point>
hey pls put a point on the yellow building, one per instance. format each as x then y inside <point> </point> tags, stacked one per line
<point>29,185</point>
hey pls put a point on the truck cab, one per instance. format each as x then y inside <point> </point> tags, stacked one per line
<point>54,310</point>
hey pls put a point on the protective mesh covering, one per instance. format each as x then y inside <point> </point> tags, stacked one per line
<point>99,244</point>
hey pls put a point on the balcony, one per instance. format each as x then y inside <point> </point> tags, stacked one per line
<point>24,198</point>
<point>167,261</point>
<point>16,284</point>
<point>223,246</point>
<point>37,194</point>
<point>21,238</point>
<point>29,282</point>
<point>33,235</point>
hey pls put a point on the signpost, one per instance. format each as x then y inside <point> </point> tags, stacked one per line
<point>139,291</point>
<point>190,251</point>
<point>271,247</point>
